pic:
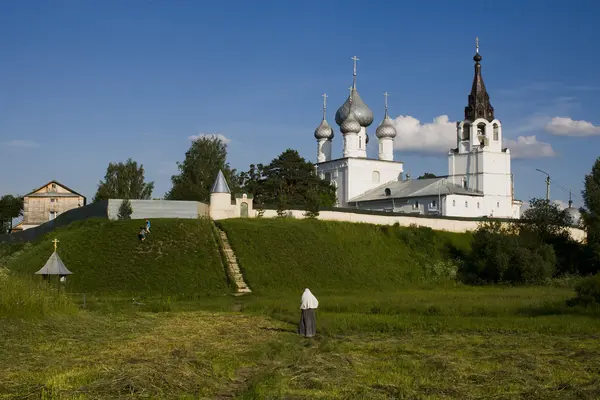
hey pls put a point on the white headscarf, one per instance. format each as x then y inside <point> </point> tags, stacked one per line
<point>308,300</point>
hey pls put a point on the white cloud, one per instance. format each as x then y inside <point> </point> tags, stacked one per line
<point>22,143</point>
<point>528,147</point>
<point>210,136</point>
<point>565,126</point>
<point>439,136</point>
<point>436,137</point>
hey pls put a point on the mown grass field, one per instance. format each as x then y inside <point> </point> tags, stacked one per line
<point>425,338</point>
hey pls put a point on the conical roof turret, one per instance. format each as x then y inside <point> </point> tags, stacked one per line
<point>220,185</point>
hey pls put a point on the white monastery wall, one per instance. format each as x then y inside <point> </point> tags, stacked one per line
<point>159,209</point>
<point>441,224</point>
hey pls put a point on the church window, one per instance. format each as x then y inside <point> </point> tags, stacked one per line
<point>328,176</point>
<point>375,177</point>
<point>54,186</point>
<point>52,200</point>
<point>495,131</point>
<point>388,192</point>
<point>360,143</point>
<point>466,204</point>
<point>416,206</point>
<point>465,132</point>
<point>432,204</point>
<point>464,183</point>
<point>498,204</point>
<point>453,203</point>
<point>477,205</point>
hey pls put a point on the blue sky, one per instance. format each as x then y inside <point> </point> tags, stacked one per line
<point>83,83</point>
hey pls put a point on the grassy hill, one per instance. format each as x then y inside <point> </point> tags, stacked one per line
<point>288,254</point>
<point>179,257</point>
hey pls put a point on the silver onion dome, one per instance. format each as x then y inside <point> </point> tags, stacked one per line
<point>350,124</point>
<point>363,113</point>
<point>386,129</point>
<point>574,214</point>
<point>324,131</point>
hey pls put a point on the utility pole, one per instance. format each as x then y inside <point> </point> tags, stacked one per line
<point>547,183</point>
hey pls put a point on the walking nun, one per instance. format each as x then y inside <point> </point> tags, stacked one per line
<point>308,320</point>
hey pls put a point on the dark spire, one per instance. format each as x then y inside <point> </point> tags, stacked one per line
<point>479,100</point>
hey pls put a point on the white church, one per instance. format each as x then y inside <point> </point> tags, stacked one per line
<point>479,181</point>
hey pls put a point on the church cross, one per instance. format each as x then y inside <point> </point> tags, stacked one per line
<point>324,104</point>
<point>386,94</point>
<point>477,44</point>
<point>355,59</point>
<point>55,241</point>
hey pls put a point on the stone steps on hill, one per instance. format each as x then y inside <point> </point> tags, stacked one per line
<point>232,265</point>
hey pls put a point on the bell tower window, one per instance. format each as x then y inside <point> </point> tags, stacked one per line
<point>495,131</point>
<point>481,129</point>
<point>466,132</point>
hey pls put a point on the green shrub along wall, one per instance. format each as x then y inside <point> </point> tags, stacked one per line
<point>179,257</point>
<point>284,254</point>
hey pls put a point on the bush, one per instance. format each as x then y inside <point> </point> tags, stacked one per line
<point>588,291</point>
<point>125,210</point>
<point>501,256</point>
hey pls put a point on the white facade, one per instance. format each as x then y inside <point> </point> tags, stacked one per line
<point>355,176</point>
<point>386,149</point>
<point>323,150</point>
<point>480,164</point>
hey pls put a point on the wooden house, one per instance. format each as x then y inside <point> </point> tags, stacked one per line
<point>47,203</point>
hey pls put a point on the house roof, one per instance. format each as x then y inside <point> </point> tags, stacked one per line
<point>54,266</point>
<point>33,194</point>
<point>413,188</point>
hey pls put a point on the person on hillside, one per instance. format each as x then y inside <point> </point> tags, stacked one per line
<point>142,234</point>
<point>308,320</point>
<point>147,226</point>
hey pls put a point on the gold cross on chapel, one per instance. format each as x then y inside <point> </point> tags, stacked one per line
<point>55,241</point>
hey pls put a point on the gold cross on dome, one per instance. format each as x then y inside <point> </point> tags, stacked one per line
<point>55,241</point>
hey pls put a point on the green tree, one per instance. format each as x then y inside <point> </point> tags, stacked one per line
<point>125,210</point>
<point>590,213</point>
<point>427,175</point>
<point>546,220</point>
<point>312,205</point>
<point>11,207</point>
<point>124,181</point>
<point>289,175</point>
<point>198,171</point>
<point>500,255</point>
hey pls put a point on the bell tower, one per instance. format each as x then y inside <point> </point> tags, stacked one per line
<point>479,163</point>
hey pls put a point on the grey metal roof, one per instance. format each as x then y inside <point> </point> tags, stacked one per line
<point>54,266</point>
<point>220,185</point>
<point>413,188</point>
